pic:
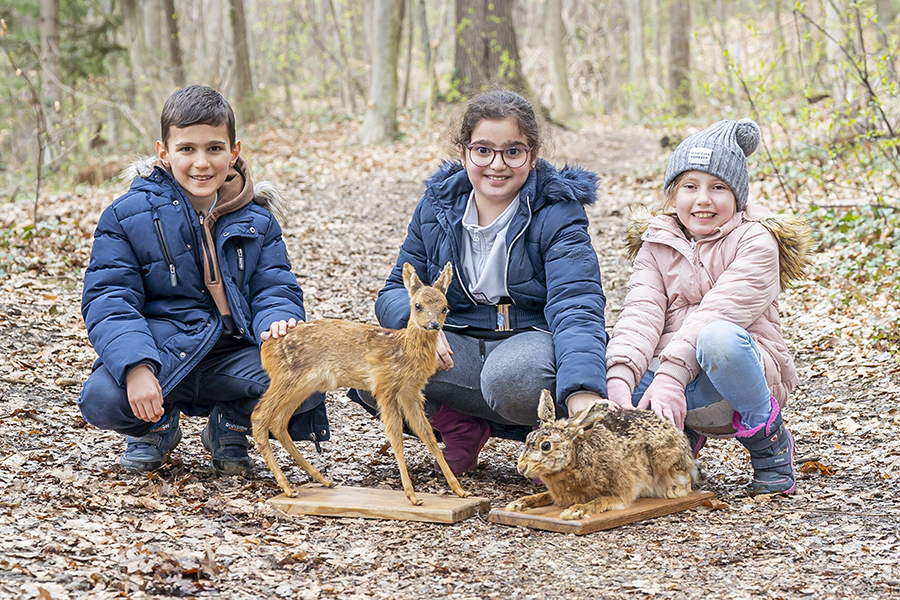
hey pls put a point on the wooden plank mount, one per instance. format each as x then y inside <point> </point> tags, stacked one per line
<point>547,517</point>
<point>368,503</point>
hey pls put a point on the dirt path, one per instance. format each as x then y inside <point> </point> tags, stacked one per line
<point>74,525</point>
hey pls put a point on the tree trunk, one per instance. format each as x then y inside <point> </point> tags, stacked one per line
<point>636,74</point>
<point>50,58</point>
<point>680,57</point>
<point>431,77</point>
<point>486,48</point>
<point>380,123</point>
<point>175,56</point>
<point>559,76</point>
<point>244,83</point>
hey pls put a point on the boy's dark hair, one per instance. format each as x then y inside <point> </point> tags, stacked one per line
<point>497,105</point>
<point>196,105</point>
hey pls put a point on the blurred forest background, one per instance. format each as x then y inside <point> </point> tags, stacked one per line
<point>82,83</point>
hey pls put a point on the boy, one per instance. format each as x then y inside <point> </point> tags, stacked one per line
<point>188,275</point>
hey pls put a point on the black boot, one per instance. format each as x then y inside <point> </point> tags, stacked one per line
<point>771,448</point>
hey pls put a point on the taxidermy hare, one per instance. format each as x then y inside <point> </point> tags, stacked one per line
<point>394,365</point>
<point>600,460</point>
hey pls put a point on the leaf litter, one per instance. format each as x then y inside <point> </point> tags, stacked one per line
<point>74,525</point>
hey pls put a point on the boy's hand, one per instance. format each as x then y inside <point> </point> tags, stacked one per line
<point>278,329</point>
<point>444,353</point>
<point>144,394</point>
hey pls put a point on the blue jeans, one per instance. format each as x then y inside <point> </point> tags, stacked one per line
<point>232,379</point>
<point>731,369</point>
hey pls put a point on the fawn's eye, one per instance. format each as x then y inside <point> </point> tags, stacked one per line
<point>545,446</point>
<point>418,307</point>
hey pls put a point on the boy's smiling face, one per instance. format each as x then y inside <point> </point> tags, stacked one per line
<point>199,157</point>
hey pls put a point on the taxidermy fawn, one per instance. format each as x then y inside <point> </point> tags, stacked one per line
<point>600,460</point>
<point>394,365</point>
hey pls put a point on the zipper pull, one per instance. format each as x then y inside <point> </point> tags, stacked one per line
<point>240,258</point>
<point>173,278</point>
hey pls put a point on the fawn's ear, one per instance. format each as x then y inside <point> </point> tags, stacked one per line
<point>546,409</point>
<point>410,279</point>
<point>443,281</point>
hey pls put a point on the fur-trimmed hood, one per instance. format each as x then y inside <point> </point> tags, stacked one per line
<point>551,185</point>
<point>792,233</point>
<point>265,194</point>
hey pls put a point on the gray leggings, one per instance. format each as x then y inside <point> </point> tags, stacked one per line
<point>497,380</point>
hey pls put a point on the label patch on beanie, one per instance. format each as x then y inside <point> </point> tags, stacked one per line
<point>700,156</point>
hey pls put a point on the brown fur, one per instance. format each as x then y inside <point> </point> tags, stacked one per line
<point>394,365</point>
<point>600,460</point>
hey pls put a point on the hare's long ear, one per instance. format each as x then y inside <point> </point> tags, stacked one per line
<point>443,281</point>
<point>546,409</point>
<point>584,421</point>
<point>410,279</point>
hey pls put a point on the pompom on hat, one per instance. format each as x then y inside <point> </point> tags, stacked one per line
<point>720,150</point>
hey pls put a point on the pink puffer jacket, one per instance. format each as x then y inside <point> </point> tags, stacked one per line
<point>678,286</point>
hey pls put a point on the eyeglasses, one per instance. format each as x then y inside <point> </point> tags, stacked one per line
<point>482,156</point>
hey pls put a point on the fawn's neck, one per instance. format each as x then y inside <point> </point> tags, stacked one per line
<point>419,343</point>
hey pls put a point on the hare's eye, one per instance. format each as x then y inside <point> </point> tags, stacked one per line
<point>418,307</point>
<point>445,310</point>
<point>545,446</point>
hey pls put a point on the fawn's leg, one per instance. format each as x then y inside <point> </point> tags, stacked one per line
<point>261,421</point>
<point>414,412</point>
<point>393,424</point>
<point>532,501</point>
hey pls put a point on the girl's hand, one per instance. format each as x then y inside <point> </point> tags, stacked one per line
<point>144,394</point>
<point>579,401</point>
<point>619,393</point>
<point>444,353</point>
<point>278,329</point>
<point>666,397</point>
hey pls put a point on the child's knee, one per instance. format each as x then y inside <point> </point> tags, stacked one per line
<point>101,403</point>
<point>721,339</point>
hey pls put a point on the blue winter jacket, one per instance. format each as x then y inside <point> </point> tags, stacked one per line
<point>144,295</point>
<point>553,277</point>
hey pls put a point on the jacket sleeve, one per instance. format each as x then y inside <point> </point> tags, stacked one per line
<point>112,301</point>
<point>641,322</point>
<point>392,304</point>
<point>575,303</point>
<point>274,291</point>
<point>747,287</point>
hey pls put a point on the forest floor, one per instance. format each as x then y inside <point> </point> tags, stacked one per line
<point>73,524</point>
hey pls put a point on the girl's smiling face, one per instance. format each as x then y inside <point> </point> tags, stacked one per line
<point>496,184</point>
<point>703,203</point>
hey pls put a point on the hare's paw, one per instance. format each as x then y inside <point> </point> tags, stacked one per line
<point>517,505</point>
<point>576,512</point>
<point>678,491</point>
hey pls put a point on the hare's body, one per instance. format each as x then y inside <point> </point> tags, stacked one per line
<point>393,364</point>
<point>601,460</point>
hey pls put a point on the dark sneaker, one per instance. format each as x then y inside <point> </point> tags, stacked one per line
<point>464,436</point>
<point>149,452</point>
<point>227,442</point>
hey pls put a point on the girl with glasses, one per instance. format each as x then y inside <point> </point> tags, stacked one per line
<point>526,303</point>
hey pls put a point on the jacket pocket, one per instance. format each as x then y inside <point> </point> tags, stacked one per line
<point>167,253</point>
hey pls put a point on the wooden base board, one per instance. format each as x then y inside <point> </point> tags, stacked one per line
<point>343,501</point>
<point>547,517</point>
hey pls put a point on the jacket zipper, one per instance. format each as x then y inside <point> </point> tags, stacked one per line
<point>209,260</point>
<point>240,265</point>
<point>513,243</point>
<point>167,254</point>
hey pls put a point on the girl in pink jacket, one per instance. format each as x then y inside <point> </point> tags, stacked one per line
<point>699,339</point>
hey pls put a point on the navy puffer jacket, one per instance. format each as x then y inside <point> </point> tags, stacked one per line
<point>144,295</point>
<point>553,276</point>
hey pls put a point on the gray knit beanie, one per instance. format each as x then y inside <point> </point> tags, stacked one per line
<point>720,150</point>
